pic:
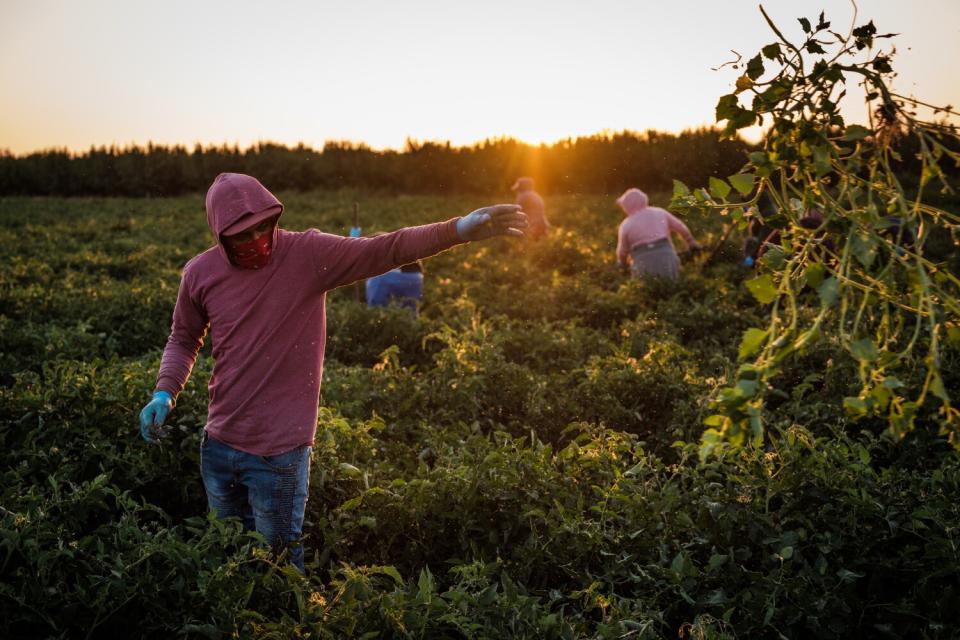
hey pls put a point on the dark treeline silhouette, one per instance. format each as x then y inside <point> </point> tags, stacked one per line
<point>602,163</point>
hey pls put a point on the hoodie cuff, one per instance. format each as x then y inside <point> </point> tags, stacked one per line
<point>166,387</point>
<point>450,234</point>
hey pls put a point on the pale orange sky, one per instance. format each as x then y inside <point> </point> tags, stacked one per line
<point>98,72</point>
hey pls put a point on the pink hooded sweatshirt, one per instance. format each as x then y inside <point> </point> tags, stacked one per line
<point>645,224</point>
<point>268,325</point>
<point>532,205</point>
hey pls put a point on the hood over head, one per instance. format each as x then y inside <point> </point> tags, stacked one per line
<point>236,201</point>
<point>523,184</point>
<point>633,200</point>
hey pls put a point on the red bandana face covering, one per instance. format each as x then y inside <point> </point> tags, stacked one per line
<point>253,254</point>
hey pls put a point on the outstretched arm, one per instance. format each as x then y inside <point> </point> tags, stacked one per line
<point>340,261</point>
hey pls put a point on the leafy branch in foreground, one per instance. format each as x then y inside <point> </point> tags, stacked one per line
<point>849,204</point>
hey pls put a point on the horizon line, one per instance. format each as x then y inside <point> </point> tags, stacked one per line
<point>363,145</point>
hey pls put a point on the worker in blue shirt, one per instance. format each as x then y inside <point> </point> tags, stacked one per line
<point>403,286</point>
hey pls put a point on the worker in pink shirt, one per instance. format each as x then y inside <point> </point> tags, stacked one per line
<point>644,241</point>
<point>260,292</point>
<point>532,205</point>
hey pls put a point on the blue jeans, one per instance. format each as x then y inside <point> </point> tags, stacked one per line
<point>269,493</point>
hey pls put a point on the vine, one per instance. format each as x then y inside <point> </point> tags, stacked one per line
<point>850,207</point>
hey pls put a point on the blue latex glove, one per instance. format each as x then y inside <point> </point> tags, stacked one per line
<point>498,220</point>
<point>153,415</point>
<point>355,232</point>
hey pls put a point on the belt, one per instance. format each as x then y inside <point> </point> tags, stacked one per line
<point>650,245</point>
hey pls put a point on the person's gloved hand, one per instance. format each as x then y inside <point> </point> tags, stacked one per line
<point>153,415</point>
<point>497,220</point>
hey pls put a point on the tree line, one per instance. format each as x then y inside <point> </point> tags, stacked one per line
<point>601,163</point>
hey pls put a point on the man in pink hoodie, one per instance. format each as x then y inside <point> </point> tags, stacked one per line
<point>261,294</point>
<point>644,237</point>
<point>532,204</point>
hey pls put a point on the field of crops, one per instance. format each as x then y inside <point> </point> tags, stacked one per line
<point>520,461</point>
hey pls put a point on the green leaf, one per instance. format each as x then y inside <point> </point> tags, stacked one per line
<point>752,340</point>
<point>747,388</point>
<point>786,553</point>
<point>717,560</point>
<point>727,107</point>
<point>755,67</point>
<point>771,51</point>
<point>855,132</point>
<point>352,503</point>
<point>742,182</point>
<point>953,335</point>
<point>763,288</point>
<point>805,24</point>
<point>865,30</point>
<point>710,442</point>
<point>680,190</point>
<point>856,407</point>
<point>814,274</point>
<point>743,118</point>
<point>864,350</point>
<point>488,595</point>
<point>821,160</point>
<point>632,471</point>
<point>814,47</point>
<point>393,573</point>
<point>937,388</point>
<point>775,92</point>
<point>892,382</point>
<point>425,585</point>
<point>715,420</point>
<point>880,397</point>
<point>718,188</point>
<point>774,258</point>
<point>829,291</point>
<point>864,247</point>
<point>846,575</point>
<point>349,470</point>
<point>678,564</point>
<point>882,64</point>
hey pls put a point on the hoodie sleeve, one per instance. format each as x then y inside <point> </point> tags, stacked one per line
<point>675,225</point>
<point>189,327</point>
<point>340,261</point>
<point>622,248</point>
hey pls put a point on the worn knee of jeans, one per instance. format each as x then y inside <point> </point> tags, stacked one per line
<point>279,507</point>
